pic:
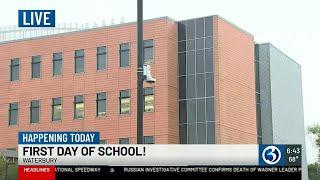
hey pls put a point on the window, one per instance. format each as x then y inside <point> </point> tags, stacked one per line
<point>35,111</point>
<point>79,61</point>
<point>125,102</point>
<point>103,141</point>
<point>124,141</point>
<point>13,113</point>
<point>148,140</point>
<point>57,63</point>
<point>148,100</point>
<point>36,66</point>
<point>148,50</point>
<point>15,70</point>
<point>101,58</point>
<point>124,55</point>
<point>101,104</point>
<point>56,109</point>
<point>78,107</point>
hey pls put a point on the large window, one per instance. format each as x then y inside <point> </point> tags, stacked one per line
<point>15,70</point>
<point>35,111</point>
<point>125,55</point>
<point>148,100</point>
<point>124,141</point>
<point>124,102</point>
<point>56,109</point>
<point>101,58</point>
<point>148,50</point>
<point>101,104</point>
<point>196,82</point>
<point>36,67</point>
<point>78,107</point>
<point>79,61</point>
<point>13,113</point>
<point>57,63</point>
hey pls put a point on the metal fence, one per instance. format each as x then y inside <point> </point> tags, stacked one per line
<point>9,33</point>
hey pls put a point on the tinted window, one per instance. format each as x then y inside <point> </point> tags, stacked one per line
<point>200,84</point>
<point>34,111</point>
<point>191,62</point>
<point>200,61</point>
<point>209,60</point>
<point>201,133</point>
<point>209,26</point>
<point>101,104</point>
<point>209,84</point>
<point>57,63</point>
<point>124,141</point>
<point>200,43</point>
<point>183,111</point>
<point>148,50</point>
<point>209,109</point>
<point>191,45</point>
<point>79,61</point>
<point>56,109</point>
<point>191,90</point>
<point>78,107</point>
<point>192,136</point>
<point>201,110</point>
<point>148,140</point>
<point>15,70</point>
<point>210,133</point>
<point>36,66</point>
<point>208,42</point>
<point>101,58</point>
<point>182,63</point>
<point>182,31</point>
<point>148,100</point>
<point>182,87</point>
<point>124,102</point>
<point>200,27</point>
<point>13,113</point>
<point>191,106</point>
<point>124,55</point>
<point>190,29</point>
<point>183,133</point>
<point>182,46</point>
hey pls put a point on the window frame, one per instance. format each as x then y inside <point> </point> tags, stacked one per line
<point>11,110</point>
<point>35,107</point>
<point>125,50</point>
<point>33,58</point>
<point>12,66</point>
<point>145,94</point>
<point>53,106</point>
<point>75,103</point>
<point>121,98</point>
<point>105,53</point>
<point>76,57</point>
<point>54,60</point>
<point>148,47</point>
<point>98,99</point>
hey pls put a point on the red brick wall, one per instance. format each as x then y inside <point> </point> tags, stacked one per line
<point>234,84</point>
<point>162,123</point>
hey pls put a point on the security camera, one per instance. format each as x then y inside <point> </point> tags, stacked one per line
<point>147,74</point>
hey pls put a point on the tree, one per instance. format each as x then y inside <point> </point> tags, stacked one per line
<point>314,171</point>
<point>315,129</point>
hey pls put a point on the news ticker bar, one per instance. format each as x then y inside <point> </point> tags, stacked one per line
<point>161,155</point>
<point>99,172</point>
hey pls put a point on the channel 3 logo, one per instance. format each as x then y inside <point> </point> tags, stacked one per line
<point>271,155</point>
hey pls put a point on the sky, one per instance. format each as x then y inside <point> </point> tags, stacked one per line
<point>291,25</point>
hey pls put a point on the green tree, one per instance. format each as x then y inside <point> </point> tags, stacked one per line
<point>315,129</point>
<point>314,169</point>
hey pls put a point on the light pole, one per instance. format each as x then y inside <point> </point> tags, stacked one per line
<point>140,76</point>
